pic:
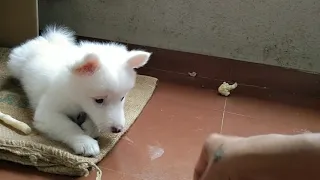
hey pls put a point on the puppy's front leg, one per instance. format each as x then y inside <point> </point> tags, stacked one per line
<point>90,128</point>
<point>60,128</point>
<point>87,125</point>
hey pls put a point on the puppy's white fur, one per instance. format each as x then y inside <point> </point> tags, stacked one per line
<point>53,70</point>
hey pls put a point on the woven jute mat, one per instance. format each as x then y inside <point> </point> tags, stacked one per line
<point>50,156</point>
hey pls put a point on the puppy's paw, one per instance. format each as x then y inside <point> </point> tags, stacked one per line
<point>90,128</point>
<point>85,146</point>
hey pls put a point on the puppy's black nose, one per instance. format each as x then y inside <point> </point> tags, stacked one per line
<point>115,130</point>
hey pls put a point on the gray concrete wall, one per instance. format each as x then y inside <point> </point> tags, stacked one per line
<point>277,32</point>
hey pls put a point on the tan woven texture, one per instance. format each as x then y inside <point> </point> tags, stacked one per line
<point>50,156</point>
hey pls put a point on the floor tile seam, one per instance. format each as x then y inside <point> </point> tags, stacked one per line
<point>242,115</point>
<point>195,106</point>
<point>223,113</point>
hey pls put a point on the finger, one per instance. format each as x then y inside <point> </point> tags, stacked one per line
<point>202,164</point>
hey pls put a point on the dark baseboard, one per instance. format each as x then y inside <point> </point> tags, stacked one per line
<point>175,66</point>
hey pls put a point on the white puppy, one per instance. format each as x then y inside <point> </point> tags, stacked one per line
<point>62,78</point>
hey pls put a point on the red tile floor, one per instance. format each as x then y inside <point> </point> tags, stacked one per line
<point>166,139</point>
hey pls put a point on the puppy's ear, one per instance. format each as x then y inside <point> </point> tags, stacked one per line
<point>89,65</point>
<point>138,59</point>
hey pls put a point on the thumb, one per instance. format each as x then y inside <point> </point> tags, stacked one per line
<point>202,163</point>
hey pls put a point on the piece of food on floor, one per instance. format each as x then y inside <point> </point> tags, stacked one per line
<point>225,88</point>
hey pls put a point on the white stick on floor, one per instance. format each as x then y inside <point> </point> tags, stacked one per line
<point>21,126</point>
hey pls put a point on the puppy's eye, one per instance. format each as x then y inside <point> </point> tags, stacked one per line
<point>122,98</point>
<point>99,101</point>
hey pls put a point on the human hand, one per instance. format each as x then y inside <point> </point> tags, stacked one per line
<point>270,156</point>
<point>211,153</point>
<point>217,151</point>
